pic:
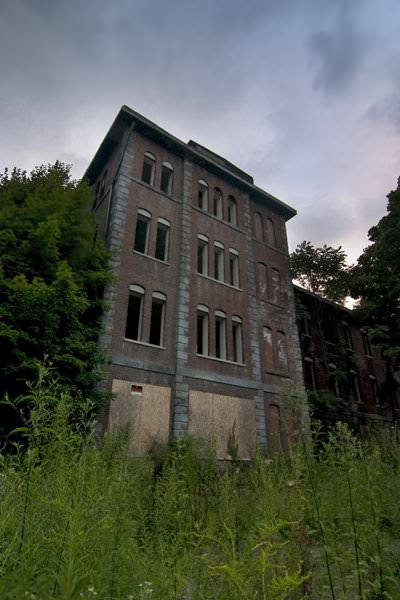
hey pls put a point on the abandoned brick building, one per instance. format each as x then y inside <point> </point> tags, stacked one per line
<point>201,329</point>
<point>344,375</point>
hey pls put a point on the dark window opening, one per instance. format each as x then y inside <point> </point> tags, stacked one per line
<point>202,333</point>
<point>156,323</point>
<point>355,387</point>
<point>161,242</point>
<point>142,225</point>
<point>218,263</point>
<point>237,342</point>
<point>200,250</point>
<point>166,179</point>
<point>232,211</point>
<point>200,340</point>
<point>201,198</point>
<point>217,204</point>
<point>220,338</point>
<point>366,343</point>
<point>309,374</point>
<point>202,257</point>
<point>148,170</point>
<point>133,321</point>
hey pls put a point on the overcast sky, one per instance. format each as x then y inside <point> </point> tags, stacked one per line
<point>302,94</point>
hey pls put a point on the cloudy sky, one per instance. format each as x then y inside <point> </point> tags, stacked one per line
<point>302,94</point>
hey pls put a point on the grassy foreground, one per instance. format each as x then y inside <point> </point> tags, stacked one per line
<point>79,521</point>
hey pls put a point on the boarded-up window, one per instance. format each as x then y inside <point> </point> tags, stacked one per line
<point>268,349</point>
<point>232,210</point>
<point>281,351</point>
<point>275,286</point>
<point>271,237</point>
<point>258,226</point>
<point>262,280</point>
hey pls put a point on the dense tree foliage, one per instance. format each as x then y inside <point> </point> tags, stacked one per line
<point>376,281</point>
<point>52,272</point>
<point>321,270</point>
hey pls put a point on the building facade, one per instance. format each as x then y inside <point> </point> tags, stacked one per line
<point>201,330</point>
<point>344,375</point>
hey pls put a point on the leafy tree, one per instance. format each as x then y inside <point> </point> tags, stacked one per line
<point>321,270</point>
<point>376,281</point>
<point>52,273</point>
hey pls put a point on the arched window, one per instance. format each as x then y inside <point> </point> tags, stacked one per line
<point>202,330</point>
<point>156,336</point>
<point>217,203</point>
<point>149,162</point>
<point>220,334</point>
<point>202,194</point>
<point>167,171</point>
<point>271,238</point>
<point>275,286</point>
<point>237,338</point>
<point>233,267</point>
<point>258,226</point>
<point>142,231</point>
<point>218,261</point>
<point>263,280</point>
<point>268,349</point>
<point>232,210</point>
<point>202,254</point>
<point>133,329</point>
<point>281,351</point>
<point>162,239</point>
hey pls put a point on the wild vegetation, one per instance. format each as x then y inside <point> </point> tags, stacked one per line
<point>322,271</point>
<point>373,282</point>
<point>52,273</point>
<point>83,521</point>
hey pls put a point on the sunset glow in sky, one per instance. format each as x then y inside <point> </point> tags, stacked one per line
<point>302,94</point>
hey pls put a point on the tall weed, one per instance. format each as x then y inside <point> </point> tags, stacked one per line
<point>82,521</point>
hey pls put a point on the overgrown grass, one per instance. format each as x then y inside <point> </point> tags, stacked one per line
<point>78,521</point>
